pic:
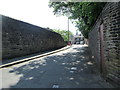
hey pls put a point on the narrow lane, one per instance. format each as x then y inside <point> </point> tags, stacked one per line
<point>67,69</point>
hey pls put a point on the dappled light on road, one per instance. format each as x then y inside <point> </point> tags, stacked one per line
<point>66,69</point>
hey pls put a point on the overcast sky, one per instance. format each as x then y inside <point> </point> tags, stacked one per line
<point>36,12</point>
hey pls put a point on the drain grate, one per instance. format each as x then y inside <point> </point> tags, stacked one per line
<point>55,86</point>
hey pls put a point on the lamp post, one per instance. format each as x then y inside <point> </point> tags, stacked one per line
<point>68,30</point>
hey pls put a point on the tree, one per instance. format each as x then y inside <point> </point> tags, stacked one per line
<point>63,33</point>
<point>84,14</point>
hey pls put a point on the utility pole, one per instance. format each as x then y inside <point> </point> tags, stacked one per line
<point>68,30</point>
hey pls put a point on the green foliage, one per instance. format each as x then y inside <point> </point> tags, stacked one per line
<point>84,14</point>
<point>63,33</point>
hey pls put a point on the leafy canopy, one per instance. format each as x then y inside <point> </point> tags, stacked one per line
<point>63,33</point>
<point>84,14</point>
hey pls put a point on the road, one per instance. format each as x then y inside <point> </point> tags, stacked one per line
<point>66,69</point>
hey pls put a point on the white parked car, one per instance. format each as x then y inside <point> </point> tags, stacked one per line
<point>82,42</point>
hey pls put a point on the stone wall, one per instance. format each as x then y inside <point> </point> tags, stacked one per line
<point>0,39</point>
<point>94,44</point>
<point>110,19</point>
<point>20,38</point>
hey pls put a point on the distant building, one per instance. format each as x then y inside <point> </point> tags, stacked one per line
<point>77,39</point>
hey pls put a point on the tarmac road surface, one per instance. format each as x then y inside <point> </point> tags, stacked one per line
<point>70,68</point>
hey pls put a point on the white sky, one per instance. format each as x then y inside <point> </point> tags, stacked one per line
<point>36,12</point>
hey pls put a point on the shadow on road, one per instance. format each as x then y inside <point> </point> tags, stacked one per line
<point>71,69</point>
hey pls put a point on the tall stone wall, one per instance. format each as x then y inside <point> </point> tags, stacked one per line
<point>20,38</point>
<point>94,44</point>
<point>0,39</point>
<point>110,18</point>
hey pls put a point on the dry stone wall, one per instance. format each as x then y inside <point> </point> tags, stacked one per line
<point>110,18</point>
<point>20,38</point>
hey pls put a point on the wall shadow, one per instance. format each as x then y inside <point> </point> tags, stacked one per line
<point>69,70</point>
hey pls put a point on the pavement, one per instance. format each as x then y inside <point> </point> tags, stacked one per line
<point>17,60</point>
<point>70,68</point>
